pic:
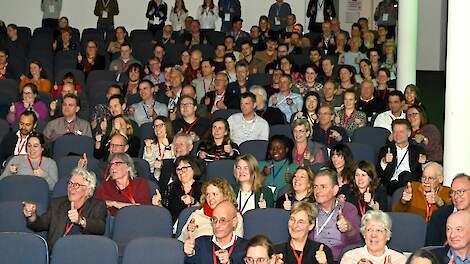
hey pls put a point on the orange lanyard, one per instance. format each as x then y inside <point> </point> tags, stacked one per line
<point>297,257</point>
<point>428,212</point>
<point>68,226</point>
<point>229,252</point>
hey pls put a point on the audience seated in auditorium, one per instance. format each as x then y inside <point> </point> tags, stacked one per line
<point>220,98</point>
<point>330,96</point>
<point>306,152</point>
<point>91,60</point>
<point>325,132</point>
<point>219,145</point>
<point>309,109</point>
<point>159,147</point>
<point>310,84</point>
<point>100,114</point>
<point>341,161</point>
<point>190,122</point>
<point>382,90</point>
<point>119,125</point>
<point>193,71</point>
<point>14,143</point>
<point>346,78</point>
<point>157,14</point>
<point>242,83</point>
<point>155,74</point>
<point>120,65</point>
<point>301,189</point>
<point>7,70</point>
<point>255,65</point>
<point>119,37</point>
<point>348,116</point>
<point>368,103</point>
<point>38,76</point>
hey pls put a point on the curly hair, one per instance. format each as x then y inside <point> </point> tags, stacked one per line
<point>224,187</point>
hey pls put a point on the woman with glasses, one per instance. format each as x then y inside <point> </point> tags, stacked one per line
<point>306,152</point>
<point>260,250</point>
<point>376,228</point>
<point>186,190</point>
<point>301,189</point>
<point>159,148</point>
<point>218,145</point>
<point>92,60</point>
<point>299,249</point>
<point>251,194</point>
<point>34,162</point>
<point>123,187</point>
<point>78,213</point>
<point>213,192</point>
<point>29,100</point>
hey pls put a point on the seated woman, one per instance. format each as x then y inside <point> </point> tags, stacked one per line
<point>306,152</point>
<point>278,167</point>
<point>186,190</point>
<point>37,75</point>
<point>34,163</point>
<point>300,249</point>
<point>365,191</point>
<point>218,145</point>
<point>251,194</point>
<point>260,250</point>
<point>114,47</point>
<point>287,67</point>
<point>310,84</point>
<point>366,72</point>
<point>29,101</point>
<point>424,133</point>
<point>347,80</point>
<point>301,189</point>
<point>342,162</point>
<point>422,256</point>
<point>123,188</point>
<point>309,109</point>
<point>159,149</point>
<point>121,125</point>
<point>348,117</point>
<point>412,96</point>
<point>376,228</point>
<point>92,59</point>
<point>67,78</point>
<point>213,192</point>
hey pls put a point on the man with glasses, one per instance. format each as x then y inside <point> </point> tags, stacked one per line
<point>189,122</point>
<point>460,194</point>
<point>425,197</point>
<point>325,132</point>
<point>224,246</point>
<point>76,214</point>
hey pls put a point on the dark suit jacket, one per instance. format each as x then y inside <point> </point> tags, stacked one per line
<point>7,147</point>
<point>328,11</point>
<point>413,155</point>
<point>56,218</point>
<point>231,101</point>
<point>203,250</point>
<point>436,229</point>
<point>441,254</point>
<point>310,250</point>
<point>272,115</point>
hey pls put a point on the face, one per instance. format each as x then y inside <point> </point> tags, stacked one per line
<point>258,254</point>
<point>195,27</point>
<point>189,91</point>
<point>219,130</point>
<point>63,23</point>
<point>340,40</point>
<point>382,77</point>
<point>159,128</point>
<point>362,179</point>
<point>344,75</point>
<point>242,171</point>
<point>329,90</point>
<point>70,107</point>
<point>226,222</point>
<point>401,134</point>
<point>28,94</point>
<point>229,43</point>
<point>278,150</point>
<point>323,189</point>
<point>117,145</point>
<point>327,66</point>
<point>461,194</point>
<point>299,225</point>
<point>395,104</point>
<point>260,101</point>
<point>181,146</point>
<point>367,90</point>
<point>338,161</point>
<point>254,33</point>
<point>115,107</point>
<point>247,105</point>
<point>168,30</point>
<point>355,32</point>
<point>410,95</point>
<point>126,52</point>
<point>326,28</point>
<point>195,59</point>
<point>247,50</point>
<point>374,56</point>
<point>187,107</point>
<point>412,114</point>
<point>185,57</point>
<point>285,65</point>
<point>458,231</point>
<point>324,116</point>
<point>375,235</point>
<point>349,100</point>
<point>154,66</point>
<point>220,51</point>
<point>314,56</point>
<point>206,68</point>
<point>300,181</point>
<point>300,133</point>
<point>284,84</point>
<point>290,20</point>
<point>419,260</point>
<point>68,88</point>
<point>3,57</point>
<point>271,45</point>
<point>263,23</point>
<point>11,32</point>
<point>242,73</point>
<point>220,82</point>
<point>119,169</point>
<point>134,74</point>
<point>430,180</point>
<point>35,69</point>
<point>120,34</point>
<point>80,191</point>
<point>113,91</point>
<point>185,172</point>
<point>34,148</point>
<point>214,196</point>
<point>26,124</point>
<point>282,51</point>
<point>91,48</point>
<point>229,64</point>
<point>237,26</point>
<point>297,29</point>
<point>119,123</point>
<point>145,91</point>
<point>365,68</point>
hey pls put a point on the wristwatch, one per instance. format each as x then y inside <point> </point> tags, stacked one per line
<point>82,222</point>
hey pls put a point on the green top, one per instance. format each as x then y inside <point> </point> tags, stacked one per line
<point>277,177</point>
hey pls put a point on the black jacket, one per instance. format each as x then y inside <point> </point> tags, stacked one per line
<point>436,229</point>
<point>309,251</point>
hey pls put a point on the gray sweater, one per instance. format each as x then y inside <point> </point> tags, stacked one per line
<point>48,167</point>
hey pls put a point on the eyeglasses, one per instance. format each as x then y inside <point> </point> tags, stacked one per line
<point>183,169</point>
<point>116,145</point>
<point>222,221</point>
<point>428,179</point>
<point>375,230</point>
<point>117,163</point>
<point>158,126</point>
<point>458,192</point>
<point>75,185</point>
<point>299,221</point>
<point>250,260</point>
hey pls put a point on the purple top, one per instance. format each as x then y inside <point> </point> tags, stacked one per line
<point>39,107</point>
<point>330,235</point>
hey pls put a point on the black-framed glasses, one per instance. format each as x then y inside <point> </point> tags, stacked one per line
<point>117,163</point>
<point>158,126</point>
<point>458,192</point>
<point>250,260</point>
<point>183,169</point>
<point>75,185</point>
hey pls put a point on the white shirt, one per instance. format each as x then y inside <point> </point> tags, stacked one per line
<point>403,162</point>
<point>207,18</point>
<point>216,242</point>
<point>20,147</point>
<point>246,201</point>
<point>320,5</point>
<point>242,130</point>
<point>386,118</point>
<point>353,256</point>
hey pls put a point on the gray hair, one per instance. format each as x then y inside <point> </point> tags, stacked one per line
<point>261,90</point>
<point>439,169</point>
<point>302,122</point>
<point>189,139</point>
<point>377,216</point>
<point>308,208</point>
<point>330,174</point>
<point>88,176</point>
<point>129,162</point>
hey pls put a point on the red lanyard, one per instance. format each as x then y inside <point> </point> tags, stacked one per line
<point>229,252</point>
<point>190,193</point>
<point>428,212</point>
<point>186,130</point>
<point>31,164</point>
<point>68,226</point>
<point>160,152</point>
<point>362,208</point>
<point>128,193</point>
<point>297,257</point>
<point>214,107</point>
<point>300,158</point>
<point>385,260</point>
<point>346,119</point>
<point>21,144</point>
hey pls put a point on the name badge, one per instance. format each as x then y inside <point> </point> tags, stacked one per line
<point>227,17</point>
<point>385,17</point>
<point>51,8</point>
<point>272,188</point>
<point>277,21</point>
<point>104,14</point>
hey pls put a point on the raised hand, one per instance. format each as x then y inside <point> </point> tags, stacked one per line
<point>422,159</point>
<point>223,256</point>
<point>157,198</point>
<point>228,148</point>
<point>262,201</point>
<point>287,203</point>
<point>367,196</point>
<point>73,214</point>
<point>189,245</point>
<point>388,156</point>
<point>192,226</point>
<point>407,194</point>
<point>13,168</point>
<point>267,169</point>
<point>187,199</point>
<point>320,255</point>
<point>83,161</point>
<point>12,108</point>
<point>342,223</point>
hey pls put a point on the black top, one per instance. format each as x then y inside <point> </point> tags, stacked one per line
<point>310,249</point>
<point>380,197</point>
<point>436,229</point>
<point>272,115</point>
<point>201,126</point>
<point>323,136</point>
<point>171,198</point>
<point>218,152</point>
<point>103,153</point>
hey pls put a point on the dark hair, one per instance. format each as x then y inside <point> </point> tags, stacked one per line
<point>372,50</point>
<point>168,127</point>
<point>385,70</point>
<point>287,142</point>
<point>400,121</point>
<point>183,7</point>
<point>367,61</point>
<point>117,96</point>
<point>397,93</point>
<point>193,162</point>
<point>245,42</point>
<point>194,101</point>
<point>261,241</point>
<point>307,95</point>
<point>356,25</point>
<point>229,37</point>
<point>423,253</point>
<point>231,56</point>
<point>30,113</point>
<point>42,71</point>
<point>158,45</point>
<point>422,114</point>
<point>416,90</point>
<point>328,58</point>
<point>114,86</point>
<point>368,168</point>
<point>250,95</point>
<point>135,66</point>
<point>34,89</point>
<point>147,82</point>
<point>191,87</point>
<point>349,165</point>
<point>211,5</point>
<point>73,96</point>
<point>39,136</point>
<point>4,50</point>
<point>208,60</point>
<point>210,142</point>
<point>125,43</point>
<point>13,26</point>
<point>351,70</point>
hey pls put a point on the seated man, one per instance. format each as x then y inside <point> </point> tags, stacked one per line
<point>100,111</point>
<point>78,213</point>
<point>458,237</point>
<point>367,103</point>
<point>401,161</point>
<point>396,103</point>
<point>247,125</point>
<point>325,132</point>
<point>14,143</point>
<point>272,115</point>
<point>337,224</point>
<point>426,197</point>
<point>206,82</point>
<point>189,122</point>
<point>55,107</point>
<point>120,65</point>
<point>69,123</point>
<point>220,98</point>
<point>147,109</point>
<point>224,246</point>
<point>286,100</point>
<point>436,230</point>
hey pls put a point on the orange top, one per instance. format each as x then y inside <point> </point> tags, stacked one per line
<point>44,85</point>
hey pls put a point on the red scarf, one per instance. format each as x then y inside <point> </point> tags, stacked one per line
<point>207,210</point>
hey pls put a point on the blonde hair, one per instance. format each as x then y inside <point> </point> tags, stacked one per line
<point>224,187</point>
<point>308,208</point>
<point>256,178</point>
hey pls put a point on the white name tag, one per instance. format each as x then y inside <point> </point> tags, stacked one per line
<point>385,17</point>
<point>51,8</point>
<point>277,21</point>
<point>104,14</point>
<point>227,17</point>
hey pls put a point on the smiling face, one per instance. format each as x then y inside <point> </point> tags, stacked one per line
<point>458,230</point>
<point>34,148</point>
<point>362,179</point>
<point>412,114</point>
<point>461,193</point>
<point>119,169</point>
<point>159,129</point>
<point>34,69</point>
<point>375,236</point>
<point>185,172</point>
<point>301,133</point>
<point>310,75</point>
<point>242,172</point>
<point>219,130</point>
<point>214,196</point>
<point>301,181</point>
<point>338,161</point>
<point>278,150</point>
<point>28,95</point>
<point>323,189</point>
<point>299,225</point>
<point>79,193</point>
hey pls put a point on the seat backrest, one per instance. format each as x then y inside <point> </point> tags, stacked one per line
<point>150,249</point>
<point>143,168</point>
<point>23,248</point>
<point>410,232</point>
<point>260,79</point>
<point>84,249</point>
<point>66,164</point>
<point>362,152</point>
<point>141,221</point>
<point>100,75</point>
<point>257,148</point>
<point>183,218</point>
<point>4,128</point>
<point>12,219</point>
<point>60,188</point>
<point>221,168</point>
<point>72,144</point>
<point>225,113</point>
<point>256,222</point>
<point>396,197</point>
<point>373,136</point>
<point>281,130</point>
<point>140,35</point>
<point>25,188</point>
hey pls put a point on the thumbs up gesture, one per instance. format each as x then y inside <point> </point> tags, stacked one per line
<point>407,193</point>
<point>422,159</point>
<point>83,161</point>
<point>337,119</point>
<point>73,214</point>
<point>342,223</point>
<point>287,203</point>
<point>157,198</point>
<point>12,108</point>
<point>388,156</point>
<point>104,125</point>
<point>187,199</point>
<point>262,202</point>
<point>189,245</point>
<point>320,255</point>
<point>367,196</point>
<point>192,226</point>
<point>228,149</point>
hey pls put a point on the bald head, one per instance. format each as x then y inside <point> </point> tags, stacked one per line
<point>458,232</point>
<point>224,221</point>
<point>225,208</point>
